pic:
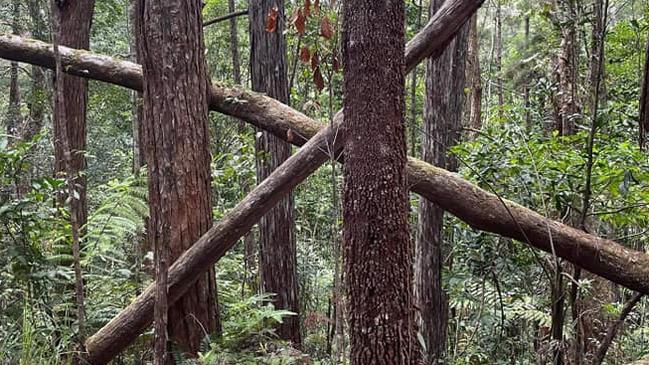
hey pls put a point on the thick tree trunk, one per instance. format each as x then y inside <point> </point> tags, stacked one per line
<point>75,22</point>
<point>178,159</point>
<point>474,77</point>
<point>445,78</point>
<point>277,255</point>
<point>378,263</point>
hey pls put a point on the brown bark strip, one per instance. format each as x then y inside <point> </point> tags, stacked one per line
<point>377,249</point>
<point>644,102</point>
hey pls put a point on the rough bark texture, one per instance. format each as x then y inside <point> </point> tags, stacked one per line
<point>474,77</point>
<point>445,77</point>
<point>566,74</point>
<point>644,102</point>
<point>277,256</point>
<point>75,22</point>
<point>378,263</point>
<point>178,160</point>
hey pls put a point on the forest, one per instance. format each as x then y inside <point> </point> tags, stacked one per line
<point>360,182</point>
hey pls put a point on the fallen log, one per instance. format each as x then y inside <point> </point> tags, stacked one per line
<point>480,209</point>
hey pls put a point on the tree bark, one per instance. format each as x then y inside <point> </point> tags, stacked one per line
<point>277,255</point>
<point>445,78</point>
<point>75,22</point>
<point>475,78</point>
<point>566,75</point>
<point>378,263</point>
<point>644,103</point>
<point>178,159</point>
<point>37,98</point>
<point>14,118</point>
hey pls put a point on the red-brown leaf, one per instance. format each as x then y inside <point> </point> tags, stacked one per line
<point>326,30</point>
<point>305,55</point>
<point>271,20</point>
<point>317,79</point>
<point>316,6</point>
<point>300,22</point>
<point>307,8</point>
<point>315,61</point>
<point>335,62</point>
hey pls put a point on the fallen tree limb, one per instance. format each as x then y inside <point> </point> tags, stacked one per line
<point>478,208</point>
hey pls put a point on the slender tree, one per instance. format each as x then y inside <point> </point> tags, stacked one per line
<point>644,102</point>
<point>445,80</point>
<point>474,77</point>
<point>276,229</point>
<point>38,94</point>
<point>375,214</point>
<point>175,124</point>
<point>14,118</point>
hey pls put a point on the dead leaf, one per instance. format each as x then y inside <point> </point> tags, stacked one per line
<point>315,61</point>
<point>317,79</point>
<point>307,8</point>
<point>326,30</point>
<point>300,22</point>
<point>271,20</point>
<point>305,55</point>
<point>289,136</point>
<point>316,7</point>
<point>335,62</point>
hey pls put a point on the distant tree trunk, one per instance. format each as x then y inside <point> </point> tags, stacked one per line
<point>61,114</point>
<point>413,92</point>
<point>445,80</point>
<point>567,62</point>
<point>14,118</point>
<point>135,36</point>
<point>75,22</point>
<point>37,98</point>
<point>526,82</point>
<point>249,239</point>
<point>175,121</point>
<point>474,76</point>
<point>644,102</point>
<point>276,229</point>
<point>377,245</point>
<point>499,57</point>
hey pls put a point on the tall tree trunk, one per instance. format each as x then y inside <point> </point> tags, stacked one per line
<point>413,91</point>
<point>276,229</point>
<point>61,114</point>
<point>135,36</point>
<point>75,22</point>
<point>526,82</point>
<point>475,77</point>
<point>376,235</point>
<point>37,98</point>
<point>14,119</point>
<point>177,153</point>
<point>567,62</point>
<point>644,102</point>
<point>499,57</point>
<point>445,79</point>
